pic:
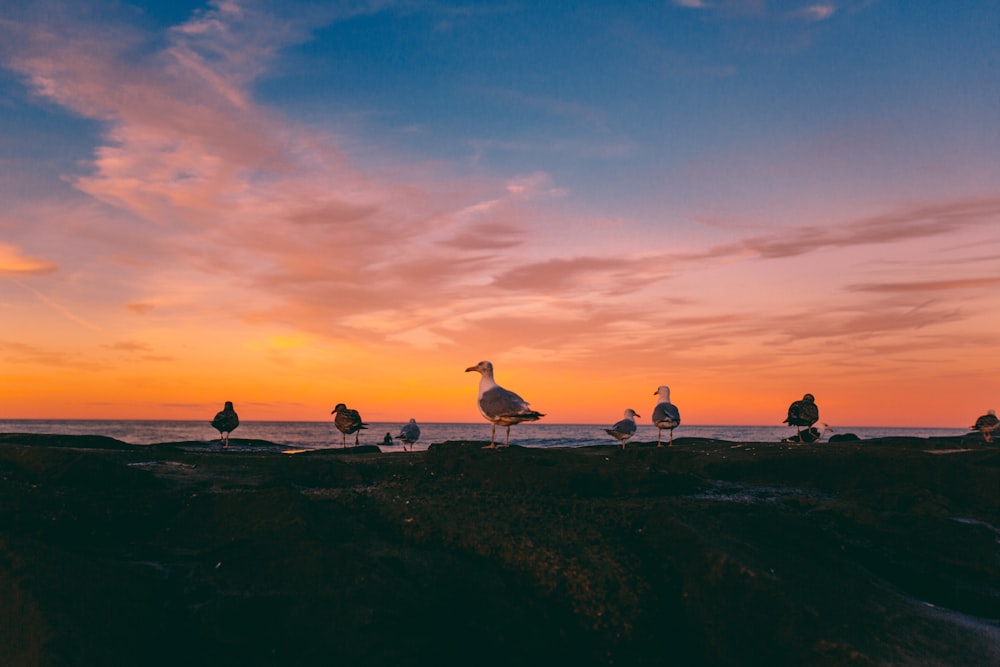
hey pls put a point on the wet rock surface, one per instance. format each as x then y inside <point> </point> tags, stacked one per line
<point>707,553</point>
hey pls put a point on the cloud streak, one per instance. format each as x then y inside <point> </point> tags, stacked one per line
<point>13,262</point>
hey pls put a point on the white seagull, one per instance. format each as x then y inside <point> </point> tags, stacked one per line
<point>624,429</point>
<point>665,414</point>
<point>409,433</point>
<point>498,405</point>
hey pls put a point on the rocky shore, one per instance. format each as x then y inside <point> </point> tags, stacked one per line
<point>879,552</point>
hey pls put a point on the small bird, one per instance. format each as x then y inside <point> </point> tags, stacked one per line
<point>498,405</point>
<point>409,434</point>
<point>624,429</point>
<point>986,425</point>
<point>347,421</point>
<point>811,434</point>
<point>802,413</point>
<point>225,422</point>
<point>665,415</point>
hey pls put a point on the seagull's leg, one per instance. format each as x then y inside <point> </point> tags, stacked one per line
<point>659,434</point>
<point>506,443</point>
<point>356,442</point>
<point>671,438</point>
<point>493,436</point>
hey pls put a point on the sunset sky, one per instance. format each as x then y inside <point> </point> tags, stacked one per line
<point>290,205</point>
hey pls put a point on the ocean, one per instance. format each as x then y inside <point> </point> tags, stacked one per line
<point>319,435</point>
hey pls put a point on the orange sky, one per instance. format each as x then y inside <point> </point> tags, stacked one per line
<point>183,224</point>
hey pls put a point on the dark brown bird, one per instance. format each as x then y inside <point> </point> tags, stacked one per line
<point>802,413</point>
<point>225,422</point>
<point>986,425</point>
<point>347,421</point>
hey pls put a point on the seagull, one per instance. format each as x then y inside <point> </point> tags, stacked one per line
<point>665,414</point>
<point>802,413</point>
<point>347,421</point>
<point>624,429</point>
<point>811,434</point>
<point>409,434</point>
<point>987,424</point>
<point>498,405</point>
<point>225,422</point>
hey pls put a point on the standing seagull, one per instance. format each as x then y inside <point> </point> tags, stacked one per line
<point>802,413</point>
<point>624,429</point>
<point>987,424</point>
<point>225,422</point>
<point>498,405</point>
<point>409,434</point>
<point>665,414</point>
<point>347,421</point>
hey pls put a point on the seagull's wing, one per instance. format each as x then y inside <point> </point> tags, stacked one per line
<point>624,427</point>
<point>666,412</point>
<point>499,402</point>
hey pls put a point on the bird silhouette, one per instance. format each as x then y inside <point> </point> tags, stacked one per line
<point>986,425</point>
<point>802,413</point>
<point>225,422</point>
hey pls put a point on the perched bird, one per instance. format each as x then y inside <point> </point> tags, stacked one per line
<point>665,414</point>
<point>624,429</point>
<point>347,421</point>
<point>498,405</point>
<point>986,425</point>
<point>409,434</point>
<point>811,434</point>
<point>802,413</point>
<point>225,422</point>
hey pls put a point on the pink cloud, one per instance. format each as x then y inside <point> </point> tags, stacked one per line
<point>921,221</point>
<point>14,262</point>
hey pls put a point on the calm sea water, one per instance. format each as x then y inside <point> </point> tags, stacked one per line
<point>317,435</point>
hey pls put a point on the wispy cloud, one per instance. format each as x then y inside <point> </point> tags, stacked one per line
<point>815,12</point>
<point>14,262</point>
<point>922,221</point>
<point>928,285</point>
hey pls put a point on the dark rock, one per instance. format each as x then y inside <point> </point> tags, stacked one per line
<point>706,553</point>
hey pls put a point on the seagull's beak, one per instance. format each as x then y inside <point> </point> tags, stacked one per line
<point>472,368</point>
<point>638,415</point>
